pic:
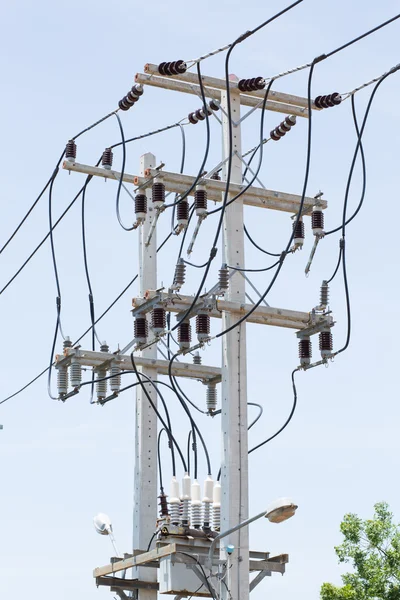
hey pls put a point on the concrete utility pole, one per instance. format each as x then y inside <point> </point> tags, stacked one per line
<point>181,557</point>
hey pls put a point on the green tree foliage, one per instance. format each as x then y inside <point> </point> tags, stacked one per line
<point>372,547</point>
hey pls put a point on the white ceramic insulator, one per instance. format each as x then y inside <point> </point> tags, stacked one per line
<point>216,517</point>
<point>186,487</point>
<point>208,489</point>
<point>298,241</point>
<point>174,495</point>
<point>185,511</point>
<point>206,514</point>
<point>217,494</point>
<point>75,374</point>
<point>174,511</point>
<point>196,491</point>
<point>195,521</point>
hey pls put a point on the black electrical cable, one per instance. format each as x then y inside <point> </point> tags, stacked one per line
<point>188,450</point>
<point>195,266</point>
<point>210,589</point>
<point>157,412</point>
<point>358,148</point>
<point>203,412</point>
<point>121,176</point>
<point>258,417</point>
<point>53,176</point>
<point>306,175</point>
<point>89,328</point>
<point>287,420</point>
<point>45,238</point>
<point>360,37</point>
<point>208,139</point>
<point>337,266</point>
<point>192,422</point>
<point>181,169</point>
<point>255,270</point>
<point>151,539</point>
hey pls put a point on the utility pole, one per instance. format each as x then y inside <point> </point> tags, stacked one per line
<point>182,545</point>
<point>234,471</point>
<point>145,482</point>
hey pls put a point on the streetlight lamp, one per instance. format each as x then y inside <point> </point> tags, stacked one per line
<point>102,524</point>
<point>278,511</point>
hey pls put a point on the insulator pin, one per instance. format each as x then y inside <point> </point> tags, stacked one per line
<point>70,151</point>
<point>298,233</point>
<point>203,326</point>
<point>158,194</point>
<point>140,330</point>
<point>140,206</point>
<point>305,351</point>
<point>175,67</point>
<point>158,319</point>
<point>223,278</point>
<point>107,159</point>
<point>132,97</point>
<point>211,398</point>
<point>200,200</point>
<point>282,129</point>
<point>317,222</point>
<point>324,294</point>
<point>328,101</point>
<point>326,343</point>
<point>251,85</point>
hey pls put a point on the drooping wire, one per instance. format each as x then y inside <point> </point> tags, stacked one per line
<point>287,420</point>
<point>121,176</point>
<point>337,266</point>
<point>283,255</point>
<point>156,411</point>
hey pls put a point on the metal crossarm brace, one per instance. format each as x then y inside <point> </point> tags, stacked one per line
<point>95,359</point>
<point>175,182</point>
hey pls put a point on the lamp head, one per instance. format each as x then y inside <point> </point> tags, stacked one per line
<point>280,510</point>
<point>102,524</point>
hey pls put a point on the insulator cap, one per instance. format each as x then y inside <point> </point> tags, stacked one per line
<point>140,205</point>
<point>328,101</point>
<point>175,67</point>
<point>203,326</point>
<point>298,229</point>
<point>70,151</point>
<point>158,193</point>
<point>324,294</point>
<point>251,85</point>
<point>104,347</point>
<point>305,350</point>
<point>214,105</point>
<point>182,212</point>
<point>223,278</point>
<point>179,275</point>
<point>325,343</point>
<point>163,505</point>
<point>131,97</point>
<point>283,128</point>
<point>140,330</point>
<point>200,201</point>
<point>184,334</point>
<point>317,221</point>
<point>107,158</point>
<point>196,358</point>
<point>192,118</point>
<point>158,320</point>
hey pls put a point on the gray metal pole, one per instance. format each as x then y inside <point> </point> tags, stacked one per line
<point>234,474</point>
<point>145,488</point>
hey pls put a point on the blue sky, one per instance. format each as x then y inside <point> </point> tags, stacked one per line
<point>63,67</point>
